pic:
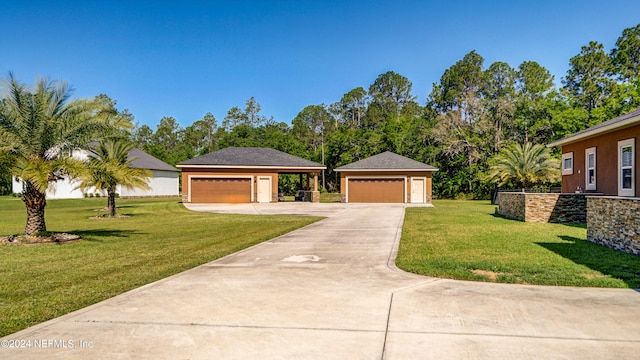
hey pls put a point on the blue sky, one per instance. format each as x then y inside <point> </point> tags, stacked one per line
<point>187,58</point>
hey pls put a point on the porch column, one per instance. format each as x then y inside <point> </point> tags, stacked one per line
<point>315,181</point>
<point>315,194</point>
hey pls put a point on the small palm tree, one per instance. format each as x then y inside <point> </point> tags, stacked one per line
<point>109,165</point>
<point>523,166</point>
<point>38,130</point>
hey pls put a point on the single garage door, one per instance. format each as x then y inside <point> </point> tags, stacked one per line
<point>376,190</point>
<point>221,190</point>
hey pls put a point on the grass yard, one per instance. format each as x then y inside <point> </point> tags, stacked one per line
<point>330,197</point>
<point>161,238</point>
<point>465,240</point>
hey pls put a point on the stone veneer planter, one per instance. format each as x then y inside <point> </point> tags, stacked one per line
<point>614,222</point>
<point>543,207</point>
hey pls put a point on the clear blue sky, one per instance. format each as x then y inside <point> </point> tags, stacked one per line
<point>187,58</point>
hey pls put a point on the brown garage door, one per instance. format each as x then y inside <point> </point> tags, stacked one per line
<point>220,190</point>
<point>376,190</point>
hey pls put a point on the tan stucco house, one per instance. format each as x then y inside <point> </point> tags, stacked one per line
<point>386,178</point>
<point>244,175</point>
<point>603,158</point>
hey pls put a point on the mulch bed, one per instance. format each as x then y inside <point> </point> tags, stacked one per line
<point>55,238</point>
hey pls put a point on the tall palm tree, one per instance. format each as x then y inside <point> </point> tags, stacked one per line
<point>523,166</point>
<point>109,165</point>
<point>39,128</point>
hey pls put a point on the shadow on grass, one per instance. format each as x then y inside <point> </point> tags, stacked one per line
<point>580,226</point>
<point>500,216</point>
<point>99,235</point>
<point>617,264</point>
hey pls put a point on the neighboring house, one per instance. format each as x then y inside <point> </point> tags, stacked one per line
<point>603,158</point>
<point>386,178</point>
<point>164,181</point>
<point>243,175</point>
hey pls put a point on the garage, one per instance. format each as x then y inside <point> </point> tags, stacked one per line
<point>386,178</point>
<point>245,175</point>
<point>376,190</point>
<point>221,190</point>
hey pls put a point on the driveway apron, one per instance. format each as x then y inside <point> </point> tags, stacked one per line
<point>330,291</point>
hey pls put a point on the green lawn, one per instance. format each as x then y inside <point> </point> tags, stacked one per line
<point>161,238</point>
<point>465,240</point>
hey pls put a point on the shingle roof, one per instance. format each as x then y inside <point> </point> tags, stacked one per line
<point>387,161</point>
<point>251,156</point>
<point>142,159</point>
<point>145,161</point>
<point>610,125</point>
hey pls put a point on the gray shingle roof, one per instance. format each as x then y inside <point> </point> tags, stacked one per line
<point>145,161</point>
<point>602,127</point>
<point>142,159</point>
<point>387,161</point>
<point>251,156</point>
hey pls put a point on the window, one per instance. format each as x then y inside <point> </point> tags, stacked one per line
<point>567,163</point>
<point>590,166</point>
<point>626,167</point>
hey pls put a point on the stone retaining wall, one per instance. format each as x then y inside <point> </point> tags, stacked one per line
<point>543,207</point>
<point>614,222</point>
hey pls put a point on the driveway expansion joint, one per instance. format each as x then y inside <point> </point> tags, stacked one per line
<point>188,324</point>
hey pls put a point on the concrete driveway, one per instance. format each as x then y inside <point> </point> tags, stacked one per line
<point>330,291</point>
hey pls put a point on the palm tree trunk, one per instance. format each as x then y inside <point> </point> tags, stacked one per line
<point>35,202</point>
<point>111,203</point>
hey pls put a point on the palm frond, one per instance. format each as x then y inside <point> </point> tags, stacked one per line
<point>523,166</point>
<point>110,166</point>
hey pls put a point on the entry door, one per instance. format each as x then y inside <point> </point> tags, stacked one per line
<point>417,190</point>
<point>264,189</point>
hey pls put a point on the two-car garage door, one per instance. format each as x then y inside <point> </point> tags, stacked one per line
<point>369,190</point>
<point>221,190</point>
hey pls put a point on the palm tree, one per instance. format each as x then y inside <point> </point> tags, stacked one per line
<point>109,165</point>
<point>523,166</point>
<point>39,128</point>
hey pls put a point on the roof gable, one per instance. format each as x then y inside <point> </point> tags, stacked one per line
<point>142,160</point>
<point>387,161</point>
<point>619,122</point>
<point>250,156</point>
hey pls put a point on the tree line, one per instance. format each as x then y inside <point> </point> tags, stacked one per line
<point>473,112</point>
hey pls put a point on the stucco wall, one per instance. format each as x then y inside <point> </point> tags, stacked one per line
<point>162,183</point>
<point>543,207</point>
<point>253,173</point>
<point>606,161</point>
<point>427,175</point>
<point>614,222</point>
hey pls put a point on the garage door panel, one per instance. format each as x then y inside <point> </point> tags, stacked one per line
<point>376,190</point>
<point>221,190</point>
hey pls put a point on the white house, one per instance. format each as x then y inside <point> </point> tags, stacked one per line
<point>163,182</point>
